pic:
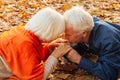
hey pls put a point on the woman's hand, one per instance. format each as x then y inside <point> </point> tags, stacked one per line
<point>61,50</point>
<point>56,43</point>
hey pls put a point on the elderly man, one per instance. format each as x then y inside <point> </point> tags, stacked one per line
<point>97,36</point>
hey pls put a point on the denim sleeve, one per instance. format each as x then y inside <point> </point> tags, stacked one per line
<point>99,69</point>
<point>108,64</point>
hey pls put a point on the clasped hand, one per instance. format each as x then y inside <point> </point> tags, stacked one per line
<point>62,47</point>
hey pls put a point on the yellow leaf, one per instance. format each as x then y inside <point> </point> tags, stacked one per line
<point>65,6</point>
<point>24,15</point>
<point>34,6</point>
<point>1,3</point>
<point>24,0</point>
<point>1,14</point>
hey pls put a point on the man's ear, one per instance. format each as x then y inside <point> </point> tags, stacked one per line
<point>85,33</point>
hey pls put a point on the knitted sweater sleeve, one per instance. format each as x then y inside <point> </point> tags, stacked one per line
<point>49,64</point>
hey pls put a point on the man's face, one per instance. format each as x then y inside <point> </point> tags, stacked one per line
<point>73,36</point>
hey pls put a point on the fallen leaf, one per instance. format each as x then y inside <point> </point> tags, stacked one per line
<point>63,76</point>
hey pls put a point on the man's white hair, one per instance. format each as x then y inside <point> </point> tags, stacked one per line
<point>47,24</point>
<point>79,19</point>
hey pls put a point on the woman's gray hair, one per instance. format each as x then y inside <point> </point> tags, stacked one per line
<point>79,19</point>
<point>47,24</point>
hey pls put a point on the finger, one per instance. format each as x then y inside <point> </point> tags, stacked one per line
<point>61,40</point>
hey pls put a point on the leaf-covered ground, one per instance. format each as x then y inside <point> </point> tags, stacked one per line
<point>17,12</point>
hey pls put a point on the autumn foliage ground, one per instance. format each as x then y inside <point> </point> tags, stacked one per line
<point>17,12</point>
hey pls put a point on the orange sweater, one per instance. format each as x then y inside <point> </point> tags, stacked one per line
<point>23,53</point>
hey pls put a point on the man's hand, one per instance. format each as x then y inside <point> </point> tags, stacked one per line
<point>73,56</point>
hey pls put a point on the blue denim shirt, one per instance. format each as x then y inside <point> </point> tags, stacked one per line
<point>105,41</point>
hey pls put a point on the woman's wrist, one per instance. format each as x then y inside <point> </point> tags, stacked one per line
<point>49,64</point>
<point>55,55</point>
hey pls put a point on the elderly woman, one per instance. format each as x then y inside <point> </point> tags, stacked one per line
<point>22,55</point>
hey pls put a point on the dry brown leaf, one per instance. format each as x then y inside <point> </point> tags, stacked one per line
<point>80,78</point>
<point>63,76</point>
<point>17,13</point>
